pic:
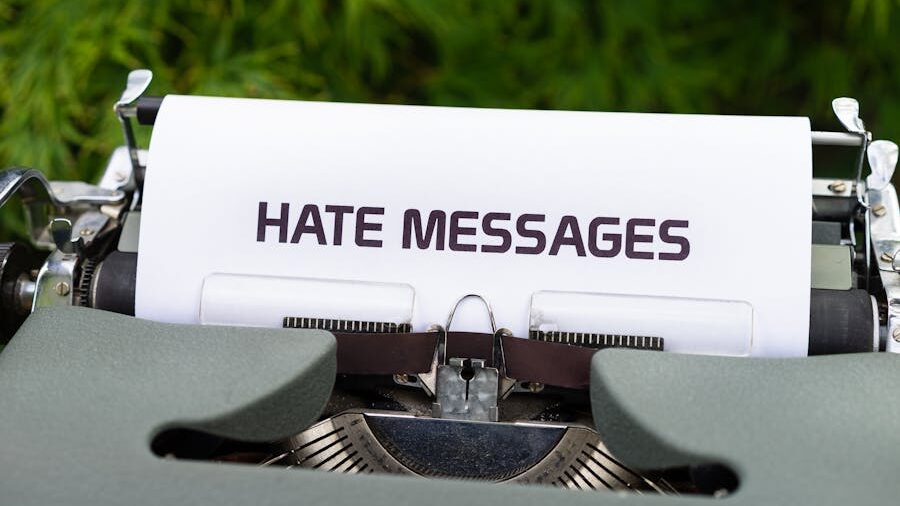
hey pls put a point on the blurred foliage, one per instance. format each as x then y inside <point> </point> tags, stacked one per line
<point>63,63</point>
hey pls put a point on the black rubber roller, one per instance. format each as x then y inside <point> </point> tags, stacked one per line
<point>147,109</point>
<point>112,286</point>
<point>841,321</point>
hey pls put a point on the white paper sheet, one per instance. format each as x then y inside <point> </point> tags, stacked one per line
<point>741,184</point>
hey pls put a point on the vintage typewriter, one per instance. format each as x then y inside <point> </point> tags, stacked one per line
<point>97,406</point>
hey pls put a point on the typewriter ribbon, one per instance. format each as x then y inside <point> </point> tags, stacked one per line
<point>579,227</point>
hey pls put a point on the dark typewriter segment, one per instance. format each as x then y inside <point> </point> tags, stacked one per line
<point>477,232</point>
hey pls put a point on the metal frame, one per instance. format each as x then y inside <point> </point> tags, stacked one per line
<point>885,229</point>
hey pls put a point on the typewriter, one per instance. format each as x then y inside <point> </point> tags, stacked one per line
<point>99,407</point>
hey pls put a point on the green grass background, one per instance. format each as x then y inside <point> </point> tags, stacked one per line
<point>63,63</point>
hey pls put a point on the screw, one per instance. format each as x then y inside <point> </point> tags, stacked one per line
<point>887,257</point>
<point>86,232</point>
<point>401,378</point>
<point>535,387</point>
<point>62,288</point>
<point>837,187</point>
<point>896,334</point>
<point>879,210</point>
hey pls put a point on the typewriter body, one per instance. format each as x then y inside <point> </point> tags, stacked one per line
<point>548,411</point>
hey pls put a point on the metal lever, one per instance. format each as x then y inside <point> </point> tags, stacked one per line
<point>39,197</point>
<point>61,232</point>
<point>137,83</point>
<point>847,111</point>
<point>883,162</point>
<point>55,281</point>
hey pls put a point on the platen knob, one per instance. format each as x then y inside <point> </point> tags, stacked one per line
<point>16,286</point>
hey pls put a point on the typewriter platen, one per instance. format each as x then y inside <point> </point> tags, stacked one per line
<point>485,406</point>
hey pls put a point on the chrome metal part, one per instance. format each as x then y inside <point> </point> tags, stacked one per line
<point>24,292</point>
<point>43,199</point>
<point>487,307</point>
<point>835,139</point>
<point>56,278</point>
<point>506,384</point>
<point>37,197</point>
<point>137,83</point>
<point>529,453</point>
<point>467,390</point>
<point>832,187</point>
<point>89,225</point>
<point>885,234</point>
<point>119,174</point>
<point>135,86</point>
<point>883,161</point>
<point>74,193</point>
<point>847,111</point>
<point>876,337</point>
<point>428,380</point>
<point>64,237</point>
<point>29,183</point>
<point>889,259</point>
<point>838,187</point>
